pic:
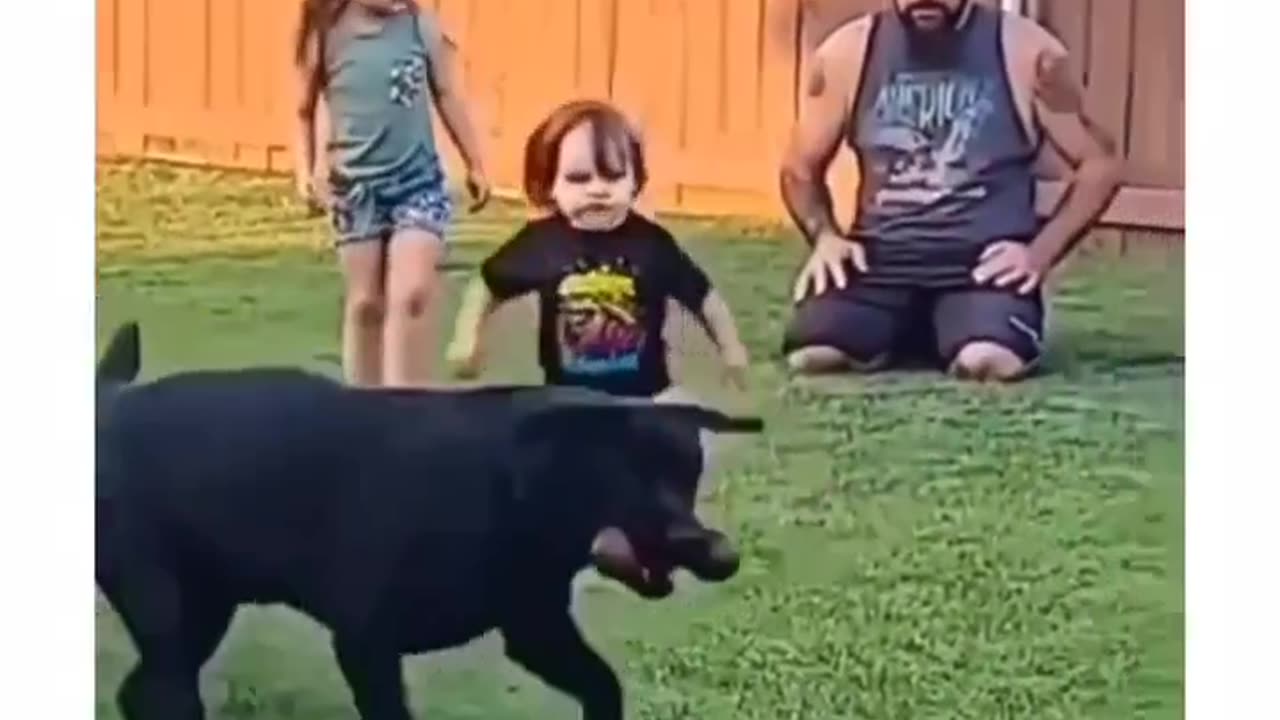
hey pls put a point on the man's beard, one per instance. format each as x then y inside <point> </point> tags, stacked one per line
<point>933,39</point>
<point>950,18</point>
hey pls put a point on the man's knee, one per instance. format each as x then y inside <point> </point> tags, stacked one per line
<point>986,361</point>
<point>819,359</point>
<point>830,334</point>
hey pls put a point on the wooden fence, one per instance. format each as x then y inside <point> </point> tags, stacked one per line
<point>712,82</point>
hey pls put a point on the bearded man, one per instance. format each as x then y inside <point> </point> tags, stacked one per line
<point>946,104</point>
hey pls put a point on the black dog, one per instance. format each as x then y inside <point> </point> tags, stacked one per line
<point>404,521</point>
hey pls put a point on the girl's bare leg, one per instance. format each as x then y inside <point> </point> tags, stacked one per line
<point>364,310</point>
<point>413,257</point>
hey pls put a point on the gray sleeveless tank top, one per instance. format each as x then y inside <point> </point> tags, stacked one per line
<point>379,97</point>
<point>947,166</point>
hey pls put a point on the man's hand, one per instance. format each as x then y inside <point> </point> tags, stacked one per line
<point>828,258</point>
<point>1007,263</point>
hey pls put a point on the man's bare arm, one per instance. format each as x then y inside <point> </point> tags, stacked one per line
<point>823,114</point>
<point>1092,153</point>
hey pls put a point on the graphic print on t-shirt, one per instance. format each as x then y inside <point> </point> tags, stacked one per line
<point>925,121</point>
<point>599,320</point>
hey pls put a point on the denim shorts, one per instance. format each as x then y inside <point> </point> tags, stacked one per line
<point>374,208</point>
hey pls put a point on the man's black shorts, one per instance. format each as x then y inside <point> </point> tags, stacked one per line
<point>876,324</point>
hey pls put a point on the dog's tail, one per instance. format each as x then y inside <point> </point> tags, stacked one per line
<point>122,360</point>
<point>715,420</point>
<point>597,407</point>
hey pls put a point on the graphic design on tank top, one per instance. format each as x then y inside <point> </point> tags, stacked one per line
<point>923,123</point>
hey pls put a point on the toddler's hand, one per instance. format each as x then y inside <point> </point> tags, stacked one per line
<point>464,359</point>
<point>736,363</point>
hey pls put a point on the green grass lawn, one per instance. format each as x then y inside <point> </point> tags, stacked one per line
<point>915,549</point>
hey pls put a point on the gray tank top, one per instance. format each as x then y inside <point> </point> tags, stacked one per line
<point>947,166</point>
<point>379,97</point>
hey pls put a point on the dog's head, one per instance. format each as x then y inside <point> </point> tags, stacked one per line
<point>632,470</point>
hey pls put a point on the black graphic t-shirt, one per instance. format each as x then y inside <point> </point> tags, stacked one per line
<point>602,299</point>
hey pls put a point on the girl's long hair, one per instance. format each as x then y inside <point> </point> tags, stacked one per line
<point>318,17</point>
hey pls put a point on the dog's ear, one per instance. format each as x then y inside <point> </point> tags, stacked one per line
<point>123,357</point>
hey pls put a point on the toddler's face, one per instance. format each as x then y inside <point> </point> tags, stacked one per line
<point>593,190</point>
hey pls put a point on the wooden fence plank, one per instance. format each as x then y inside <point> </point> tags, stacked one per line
<point>1155,137</point>
<point>106,49</point>
<point>595,49</point>
<point>1133,206</point>
<point>177,67</point>
<point>1109,75</point>
<point>711,83</point>
<point>664,126</point>
<point>743,25</point>
<point>704,68</point>
<point>641,86</point>
<point>779,66</point>
<point>226,54</point>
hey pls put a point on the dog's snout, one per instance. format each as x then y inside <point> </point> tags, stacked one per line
<point>706,553</point>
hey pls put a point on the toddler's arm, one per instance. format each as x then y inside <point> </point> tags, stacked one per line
<point>464,350</point>
<point>692,288</point>
<point>718,320</point>
<point>514,269</point>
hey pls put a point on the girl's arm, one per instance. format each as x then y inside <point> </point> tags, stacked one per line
<point>446,83</point>
<point>306,102</point>
<point>320,145</point>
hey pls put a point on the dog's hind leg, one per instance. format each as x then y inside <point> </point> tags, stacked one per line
<point>174,636</point>
<point>552,648</point>
<point>373,674</point>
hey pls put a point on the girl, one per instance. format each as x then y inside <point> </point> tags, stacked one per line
<point>602,272</point>
<point>379,66</point>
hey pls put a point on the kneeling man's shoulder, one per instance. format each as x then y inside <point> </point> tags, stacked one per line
<point>1030,36</point>
<point>847,41</point>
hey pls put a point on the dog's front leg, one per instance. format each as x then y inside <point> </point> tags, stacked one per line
<point>551,646</point>
<point>373,673</point>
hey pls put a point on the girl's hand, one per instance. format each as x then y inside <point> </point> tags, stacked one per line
<point>736,363</point>
<point>313,192</point>
<point>302,188</point>
<point>321,192</point>
<point>478,188</point>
